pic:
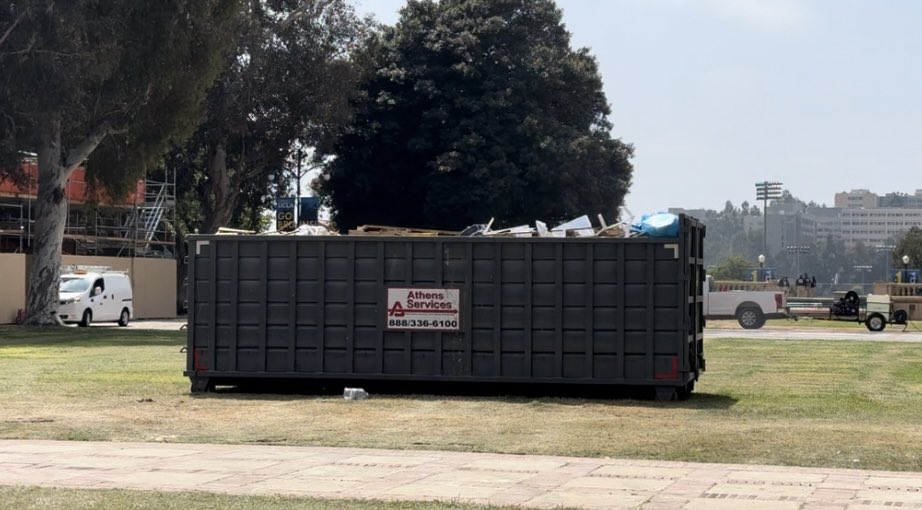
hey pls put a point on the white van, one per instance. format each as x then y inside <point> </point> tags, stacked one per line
<point>95,296</point>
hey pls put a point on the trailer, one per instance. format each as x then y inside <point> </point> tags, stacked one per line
<point>877,313</point>
<point>583,311</point>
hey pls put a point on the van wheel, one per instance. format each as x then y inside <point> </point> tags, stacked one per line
<point>87,319</point>
<point>750,318</point>
<point>123,318</point>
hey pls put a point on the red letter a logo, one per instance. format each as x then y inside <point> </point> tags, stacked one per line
<point>396,310</point>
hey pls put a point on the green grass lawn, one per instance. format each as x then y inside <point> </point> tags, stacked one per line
<point>808,403</point>
<point>35,498</point>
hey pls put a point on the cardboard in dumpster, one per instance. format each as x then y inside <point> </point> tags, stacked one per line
<point>310,230</point>
<point>541,227</point>
<point>577,227</point>
<point>582,226</point>
<point>519,231</point>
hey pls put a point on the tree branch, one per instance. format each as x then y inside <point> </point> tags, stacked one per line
<point>10,30</point>
<point>48,11</point>
<point>83,149</point>
<point>43,52</point>
<point>308,9</point>
<point>245,176</point>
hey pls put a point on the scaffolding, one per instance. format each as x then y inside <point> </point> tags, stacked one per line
<point>150,230</point>
<point>141,229</point>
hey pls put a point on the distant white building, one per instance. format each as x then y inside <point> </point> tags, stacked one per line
<point>857,199</point>
<point>859,216</point>
<point>876,226</point>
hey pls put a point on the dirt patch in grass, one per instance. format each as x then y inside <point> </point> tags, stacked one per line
<point>808,403</point>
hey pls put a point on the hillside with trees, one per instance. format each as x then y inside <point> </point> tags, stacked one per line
<point>731,248</point>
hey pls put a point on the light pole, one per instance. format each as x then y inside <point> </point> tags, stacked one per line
<point>888,249</point>
<point>905,268</point>
<point>863,270</point>
<point>766,191</point>
<point>796,251</point>
<point>761,267</point>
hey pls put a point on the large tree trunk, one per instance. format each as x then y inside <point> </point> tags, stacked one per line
<point>221,192</point>
<point>55,165</point>
<point>50,218</point>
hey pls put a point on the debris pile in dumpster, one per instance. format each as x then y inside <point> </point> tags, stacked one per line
<point>648,225</point>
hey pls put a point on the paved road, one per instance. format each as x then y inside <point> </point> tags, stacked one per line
<point>891,334</point>
<point>528,481</point>
<point>165,324</point>
<point>158,325</point>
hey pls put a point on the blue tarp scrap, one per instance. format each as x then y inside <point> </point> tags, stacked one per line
<point>657,225</point>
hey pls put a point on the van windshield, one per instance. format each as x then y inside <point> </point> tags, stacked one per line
<point>74,285</point>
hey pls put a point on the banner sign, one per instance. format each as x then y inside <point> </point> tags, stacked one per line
<point>285,214</point>
<point>307,210</point>
<point>423,309</point>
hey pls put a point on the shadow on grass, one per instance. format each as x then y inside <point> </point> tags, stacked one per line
<point>511,393</point>
<point>87,337</point>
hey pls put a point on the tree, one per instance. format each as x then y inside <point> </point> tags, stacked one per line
<point>788,198</point>
<point>475,109</point>
<point>733,268</point>
<point>895,199</point>
<point>910,244</point>
<point>289,79</point>
<point>101,82</point>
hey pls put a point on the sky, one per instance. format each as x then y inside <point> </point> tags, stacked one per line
<point>715,95</point>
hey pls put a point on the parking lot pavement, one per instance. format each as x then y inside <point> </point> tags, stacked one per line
<point>523,480</point>
<point>891,334</point>
<point>160,325</point>
<point>155,325</point>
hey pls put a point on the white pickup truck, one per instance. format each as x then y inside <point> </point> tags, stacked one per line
<point>749,307</point>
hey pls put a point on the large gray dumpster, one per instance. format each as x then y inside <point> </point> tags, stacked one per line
<point>584,311</point>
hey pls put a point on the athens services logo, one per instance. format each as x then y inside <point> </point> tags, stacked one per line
<point>433,309</point>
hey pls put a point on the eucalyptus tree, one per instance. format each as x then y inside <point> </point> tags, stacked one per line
<point>103,83</point>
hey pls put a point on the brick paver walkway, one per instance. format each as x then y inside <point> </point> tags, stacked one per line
<point>529,481</point>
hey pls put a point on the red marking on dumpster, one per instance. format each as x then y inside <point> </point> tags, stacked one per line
<point>197,363</point>
<point>673,373</point>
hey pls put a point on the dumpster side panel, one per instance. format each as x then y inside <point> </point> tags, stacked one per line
<point>590,310</point>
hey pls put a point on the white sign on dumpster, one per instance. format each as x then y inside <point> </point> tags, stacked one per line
<point>423,309</point>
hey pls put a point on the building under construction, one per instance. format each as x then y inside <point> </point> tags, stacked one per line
<point>135,234</point>
<point>142,224</point>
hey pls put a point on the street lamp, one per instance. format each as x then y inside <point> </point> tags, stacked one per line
<point>905,268</point>
<point>761,261</point>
